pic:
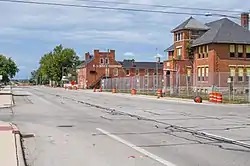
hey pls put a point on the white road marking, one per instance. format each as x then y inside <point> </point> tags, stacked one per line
<point>143,151</point>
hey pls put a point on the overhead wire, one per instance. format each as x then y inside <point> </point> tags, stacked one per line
<point>163,6</point>
<point>106,8</point>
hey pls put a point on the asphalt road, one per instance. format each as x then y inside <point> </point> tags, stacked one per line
<point>70,132</point>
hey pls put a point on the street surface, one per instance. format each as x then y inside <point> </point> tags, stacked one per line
<point>80,127</point>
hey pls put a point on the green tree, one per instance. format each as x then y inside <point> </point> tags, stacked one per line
<point>59,62</point>
<point>8,68</point>
<point>190,53</point>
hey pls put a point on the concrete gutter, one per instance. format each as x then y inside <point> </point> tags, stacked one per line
<point>19,149</point>
<point>11,153</point>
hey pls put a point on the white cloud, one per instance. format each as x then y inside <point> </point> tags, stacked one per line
<point>50,23</point>
<point>20,22</point>
<point>159,55</point>
<point>129,54</point>
<point>21,67</point>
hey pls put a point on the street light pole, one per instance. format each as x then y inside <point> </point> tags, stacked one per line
<point>157,70</point>
<point>107,67</point>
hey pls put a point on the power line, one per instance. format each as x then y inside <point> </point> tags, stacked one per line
<point>104,8</point>
<point>163,6</point>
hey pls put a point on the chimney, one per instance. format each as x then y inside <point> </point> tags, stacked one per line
<point>245,20</point>
<point>87,56</point>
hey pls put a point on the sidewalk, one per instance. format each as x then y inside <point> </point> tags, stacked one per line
<point>10,143</point>
<point>6,98</point>
<point>167,99</point>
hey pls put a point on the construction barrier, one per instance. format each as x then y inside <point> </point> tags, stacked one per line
<point>211,97</point>
<point>133,92</point>
<point>159,93</point>
<point>219,98</point>
<point>215,97</point>
<point>114,90</point>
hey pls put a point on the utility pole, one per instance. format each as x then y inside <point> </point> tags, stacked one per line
<point>107,68</point>
<point>157,73</point>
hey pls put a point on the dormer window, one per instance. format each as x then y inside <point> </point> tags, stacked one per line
<point>106,61</point>
<point>178,36</point>
<point>102,61</point>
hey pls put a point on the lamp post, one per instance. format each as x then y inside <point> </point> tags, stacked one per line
<point>158,59</point>
<point>107,68</point>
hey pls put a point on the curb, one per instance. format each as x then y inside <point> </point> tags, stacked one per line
<point>19,149</point>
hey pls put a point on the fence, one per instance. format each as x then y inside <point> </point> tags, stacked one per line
<point>234,87</point>
<point>143,84</point>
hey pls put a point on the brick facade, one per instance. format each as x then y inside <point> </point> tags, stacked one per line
<point>95,68</point>
<point>212,64</point>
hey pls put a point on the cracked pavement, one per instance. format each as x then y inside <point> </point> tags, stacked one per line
<point>66,130</point>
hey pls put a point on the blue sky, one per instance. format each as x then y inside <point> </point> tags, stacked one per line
<point>29,31</point>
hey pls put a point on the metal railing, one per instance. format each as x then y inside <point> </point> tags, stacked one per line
<point>186,86</point>
<point>143,84</point>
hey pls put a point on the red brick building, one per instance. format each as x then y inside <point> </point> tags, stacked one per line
<point>102,65</point>
<point>208,54</point>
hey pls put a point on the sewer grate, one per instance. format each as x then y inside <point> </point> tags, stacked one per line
<point>65,126</point>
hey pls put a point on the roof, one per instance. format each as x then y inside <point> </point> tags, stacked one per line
<point>141,65</point>
<point>171,48</point>
<point>224,31</point>
<point>84,63</point>
<point>191,23</point>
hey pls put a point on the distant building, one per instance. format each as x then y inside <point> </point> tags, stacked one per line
<point>208,54</point>
<point>102,65</point>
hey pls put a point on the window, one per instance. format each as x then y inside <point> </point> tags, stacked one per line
<point>247,51</point>
<point>232,73</point>
<point>127,72</point>
<point>199,74</point>
<point>240,74</point>
<point>240,51</point>
<point>137,72</point>
<point>101,61</point>
<point>232,51</point>
<point>199,52</point>
<point>179,50</point>
<point>207,72</point>
<point>188,74</point>
<point>248,74</point>
<point>115,71</point>
<point>203,74</point>
<point>106,61</point>
<point>178,36</point>
<point>146,72</point>
<point>206,51</point>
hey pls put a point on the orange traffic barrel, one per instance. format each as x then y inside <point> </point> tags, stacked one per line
<point>214,99</point>
<point>211,97</point>
<point>133,91</point>
<point>159,93</point>
<point>114,90</point>
<point>219,98</point>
